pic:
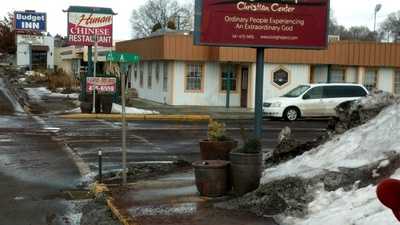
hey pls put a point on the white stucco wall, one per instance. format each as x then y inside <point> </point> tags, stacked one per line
<point>385,79</point>
<point>211,94</point>
<point>351,75</point>
<point>298,74</point>
<point>23,49</point>
<point>155,93</point>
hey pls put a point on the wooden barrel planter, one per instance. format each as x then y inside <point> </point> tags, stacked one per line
<point>246,170</point>
<point>212,177</point>
<point>106,103</point>
<point>216,150</point>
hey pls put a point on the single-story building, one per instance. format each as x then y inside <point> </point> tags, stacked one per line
<point>74,59</point>
<point>35,51</point>
<point>176,72</point>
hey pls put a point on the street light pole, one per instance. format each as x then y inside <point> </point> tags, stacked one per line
<point>378,7</point>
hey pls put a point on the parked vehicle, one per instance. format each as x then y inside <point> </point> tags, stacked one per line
<point>312,100</point>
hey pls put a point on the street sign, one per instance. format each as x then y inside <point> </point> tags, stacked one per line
<point>262,23</point>
<point>85,22</point>
<point>122,57</point>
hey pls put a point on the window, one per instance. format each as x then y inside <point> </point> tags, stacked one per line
<point>135,71</point>
<point>194,77</point>
<point>314,93</point>
<point>397,82</point>
<point>337,76</point>
<point>150,74</point>
<point>370,79</point>
<point>228,71</point>
<point>165,77</point>
<point>343,92</point>
<point>141,74</point>
<point>157,72</point>
<point>280,77</point>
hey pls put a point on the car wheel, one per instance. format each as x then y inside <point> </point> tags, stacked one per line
<point>292,114</point>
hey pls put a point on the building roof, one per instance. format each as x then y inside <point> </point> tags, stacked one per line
<point>180,47</point>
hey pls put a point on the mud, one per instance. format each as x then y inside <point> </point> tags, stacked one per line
<point>97,213</point>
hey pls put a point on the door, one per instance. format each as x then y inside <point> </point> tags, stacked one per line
<point>244,87</point>
<point>311,102</point>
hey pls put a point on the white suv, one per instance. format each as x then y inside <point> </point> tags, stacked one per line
<point>312,100</point>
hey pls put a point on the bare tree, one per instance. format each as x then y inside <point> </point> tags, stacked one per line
<point>7,35</point>
<point>161,14</point>
<point>391,25</point>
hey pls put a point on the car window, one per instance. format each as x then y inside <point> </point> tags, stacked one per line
<point>343,91</point>
<point>314,93</point>
<point>299,90</point>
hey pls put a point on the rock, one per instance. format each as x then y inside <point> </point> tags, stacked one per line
<point>285,133</point>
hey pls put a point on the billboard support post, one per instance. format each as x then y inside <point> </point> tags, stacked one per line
<point>259,93</point>
<point>94,74</point>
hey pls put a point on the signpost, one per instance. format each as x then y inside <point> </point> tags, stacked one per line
<point>123,59</point>
<point>260,24</point>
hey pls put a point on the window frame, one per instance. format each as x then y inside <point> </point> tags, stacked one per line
<point>202,77</point>
<point>376,70</point>
<point>157,72</point>
<point>141,74</point>
<point>165,77</point>
<point>149,75</point>
<point>344,75</point>
<point>222,79</point>
<point>396,74</point>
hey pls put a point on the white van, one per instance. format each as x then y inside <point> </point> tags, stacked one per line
<point>312,100</point>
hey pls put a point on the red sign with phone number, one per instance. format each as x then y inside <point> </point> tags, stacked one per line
<point>263,23</point>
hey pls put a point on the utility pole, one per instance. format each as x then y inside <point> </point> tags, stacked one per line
<point>122,71</point>
<point>259,92</point>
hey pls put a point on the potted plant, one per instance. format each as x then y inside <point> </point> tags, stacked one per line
<point>246,166</point>
<point>212,177</point>
<point>218,145</point>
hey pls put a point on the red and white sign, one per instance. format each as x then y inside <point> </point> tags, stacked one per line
<point>83,27</point>
<point>262,23</point>
<point>103,84</point>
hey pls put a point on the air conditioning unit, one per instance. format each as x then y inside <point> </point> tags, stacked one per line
<point>333,38</point>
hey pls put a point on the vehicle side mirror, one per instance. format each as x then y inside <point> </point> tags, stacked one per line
<point>306,96</point>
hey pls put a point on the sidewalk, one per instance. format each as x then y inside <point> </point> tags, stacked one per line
<point>216,112</point>
<point>173,200</point>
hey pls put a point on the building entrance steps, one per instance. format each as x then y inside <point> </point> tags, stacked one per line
<point>173,200</point>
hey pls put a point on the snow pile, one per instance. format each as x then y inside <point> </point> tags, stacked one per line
<point>37,94</point>
<point>359,147</point>
<point>31,73</point>
<point>131,110</point>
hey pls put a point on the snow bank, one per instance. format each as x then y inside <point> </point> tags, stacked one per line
<point>131,110</point>
<point>357,147</point>
<point>38,93</point>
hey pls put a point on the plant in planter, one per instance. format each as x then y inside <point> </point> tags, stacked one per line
<point>218,145</point>
<point>246,165</point>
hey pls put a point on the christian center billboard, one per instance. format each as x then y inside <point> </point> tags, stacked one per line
<point>84,25</point>
<point>29,21</point>
<point>262,23</point>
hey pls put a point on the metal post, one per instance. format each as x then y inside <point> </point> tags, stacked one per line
<point>259,92</point>
<point>30,56</point>
<point>94,74</point>
<point>329,79</point>
<point>100,167</point>
<point>123,127</point>
<point>228,87</point>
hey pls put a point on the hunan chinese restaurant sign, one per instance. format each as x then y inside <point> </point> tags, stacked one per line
<point>262,23</point>
<point>85,25</point>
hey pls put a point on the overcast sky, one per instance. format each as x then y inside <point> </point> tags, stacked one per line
<point>347,12</point>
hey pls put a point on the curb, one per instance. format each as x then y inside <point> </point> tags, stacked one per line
<point>131,117</point>
<point>122,217</point>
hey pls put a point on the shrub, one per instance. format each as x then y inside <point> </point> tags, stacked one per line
<point>216,131</point>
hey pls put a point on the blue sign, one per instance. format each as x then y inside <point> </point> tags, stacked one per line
<point>30,21</point>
